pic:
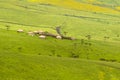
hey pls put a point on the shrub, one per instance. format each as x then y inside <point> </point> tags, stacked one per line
<point>74,55</point>
<point>58,55</point>
<point>111,60</point>
<point>82,41</point>
<point>19,49</point>
<point>39,53</point>
<point>102,59</point>
<point>7,27</point>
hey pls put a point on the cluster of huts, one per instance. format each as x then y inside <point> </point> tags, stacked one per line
<point>43,34</point>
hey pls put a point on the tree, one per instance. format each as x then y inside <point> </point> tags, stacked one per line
<point>58,29</point>
<point>106,37</point>
<point>88,37</point>
<point>7,27</point>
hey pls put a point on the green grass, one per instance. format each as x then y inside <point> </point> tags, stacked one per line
<point>23,57</point>
<point>22,43</point>
<point>107,3</point>
<point>24,67</point>
<point>82,22</point>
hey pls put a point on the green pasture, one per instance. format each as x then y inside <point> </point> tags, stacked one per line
<point>25,57</point>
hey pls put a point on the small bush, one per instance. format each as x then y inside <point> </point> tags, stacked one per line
<point>74,55</point>
<point>58,55</point>
<point>50,55</point>
<point>19,49</point>
<point>7,27</point>
<point>111,60</point>
<point>102,59</point>
<point>39,53</point>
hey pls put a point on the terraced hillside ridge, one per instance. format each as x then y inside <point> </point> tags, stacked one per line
<point>93,53</point>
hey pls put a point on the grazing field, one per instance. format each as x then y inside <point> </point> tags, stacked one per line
<point>31,67</point>
<point>22,43</point>
<point>94,55</point>
<point>25,57</point>
<point>96,24</point>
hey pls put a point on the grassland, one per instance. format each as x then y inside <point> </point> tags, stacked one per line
<point>28,67</point>
<point>25,44</point>
<point>23,57</point>
<point>100,24</point>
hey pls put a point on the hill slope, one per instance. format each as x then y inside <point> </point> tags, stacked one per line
<point>49,16</point>
<point>13,42</point>
<point>23,57</point>
<point>26,67</point>
<point>77,5</point>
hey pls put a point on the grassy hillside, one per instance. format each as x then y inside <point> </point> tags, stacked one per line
<point>77,5</point>
<point>25,44</point>
<point>27,67</point>
<point>24,57</point>
<point>49,16</point>
<point>106,3</point>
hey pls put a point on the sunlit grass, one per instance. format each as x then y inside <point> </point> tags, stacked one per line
<point>25,57</point>
<point>78,6</point>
